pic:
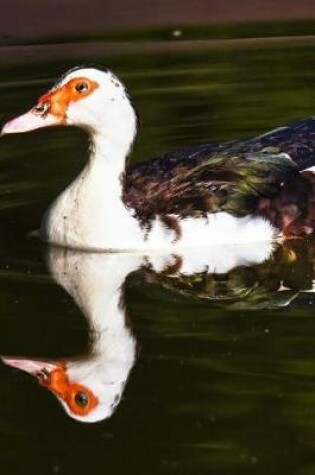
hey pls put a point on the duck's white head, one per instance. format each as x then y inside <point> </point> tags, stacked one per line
<point>87,97</point>
<point>86,392</point>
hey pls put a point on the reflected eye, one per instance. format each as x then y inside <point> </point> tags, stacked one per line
<point>42,108</point>
<point>81,87</point>
<point>81,399</point>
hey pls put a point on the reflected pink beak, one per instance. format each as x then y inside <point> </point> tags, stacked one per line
<point>53,375</point>
<point>37,368</point>
<point>31,120</point>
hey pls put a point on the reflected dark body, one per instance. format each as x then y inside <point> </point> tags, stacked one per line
<point>288,273</point>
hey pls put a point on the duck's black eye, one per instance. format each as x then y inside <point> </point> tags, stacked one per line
<point>81,399</point>
<point>81,87</point>
<point>42,108</point>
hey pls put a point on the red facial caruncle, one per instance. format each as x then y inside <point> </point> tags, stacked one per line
<point>52,107</point>
<point>80,400</point>
<point>56,102</point>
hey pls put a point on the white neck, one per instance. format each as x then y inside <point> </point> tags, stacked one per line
<point>91,210</point>
<point>112,145</point>
<point>106,166</point>
<point>101,190</point>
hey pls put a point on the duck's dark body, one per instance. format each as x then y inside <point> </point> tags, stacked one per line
<point>256,176</point>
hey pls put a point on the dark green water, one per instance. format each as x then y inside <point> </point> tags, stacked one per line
<point>223,381</point>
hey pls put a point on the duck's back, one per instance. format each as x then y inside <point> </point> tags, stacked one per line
<point>236,177</point>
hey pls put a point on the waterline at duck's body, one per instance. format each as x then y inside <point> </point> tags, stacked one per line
<point>73,220</point>
<point>230,193</point>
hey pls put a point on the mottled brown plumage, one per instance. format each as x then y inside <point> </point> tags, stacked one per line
<point>258,176</point>
<point>293,209</point>
<point>228,180</point>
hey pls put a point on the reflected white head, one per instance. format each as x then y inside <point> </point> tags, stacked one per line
<point>86,389</point>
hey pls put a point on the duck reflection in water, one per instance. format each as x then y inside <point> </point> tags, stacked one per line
<point>288,273</point>
<point>90,387</point>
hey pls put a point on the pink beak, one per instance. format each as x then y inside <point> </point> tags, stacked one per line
<point>36,368</point>
<point>29,121</point>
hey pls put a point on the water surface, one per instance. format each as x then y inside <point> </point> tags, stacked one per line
<point>222,379</point>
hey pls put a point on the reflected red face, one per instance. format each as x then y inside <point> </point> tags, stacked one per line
<point>80,400</point>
